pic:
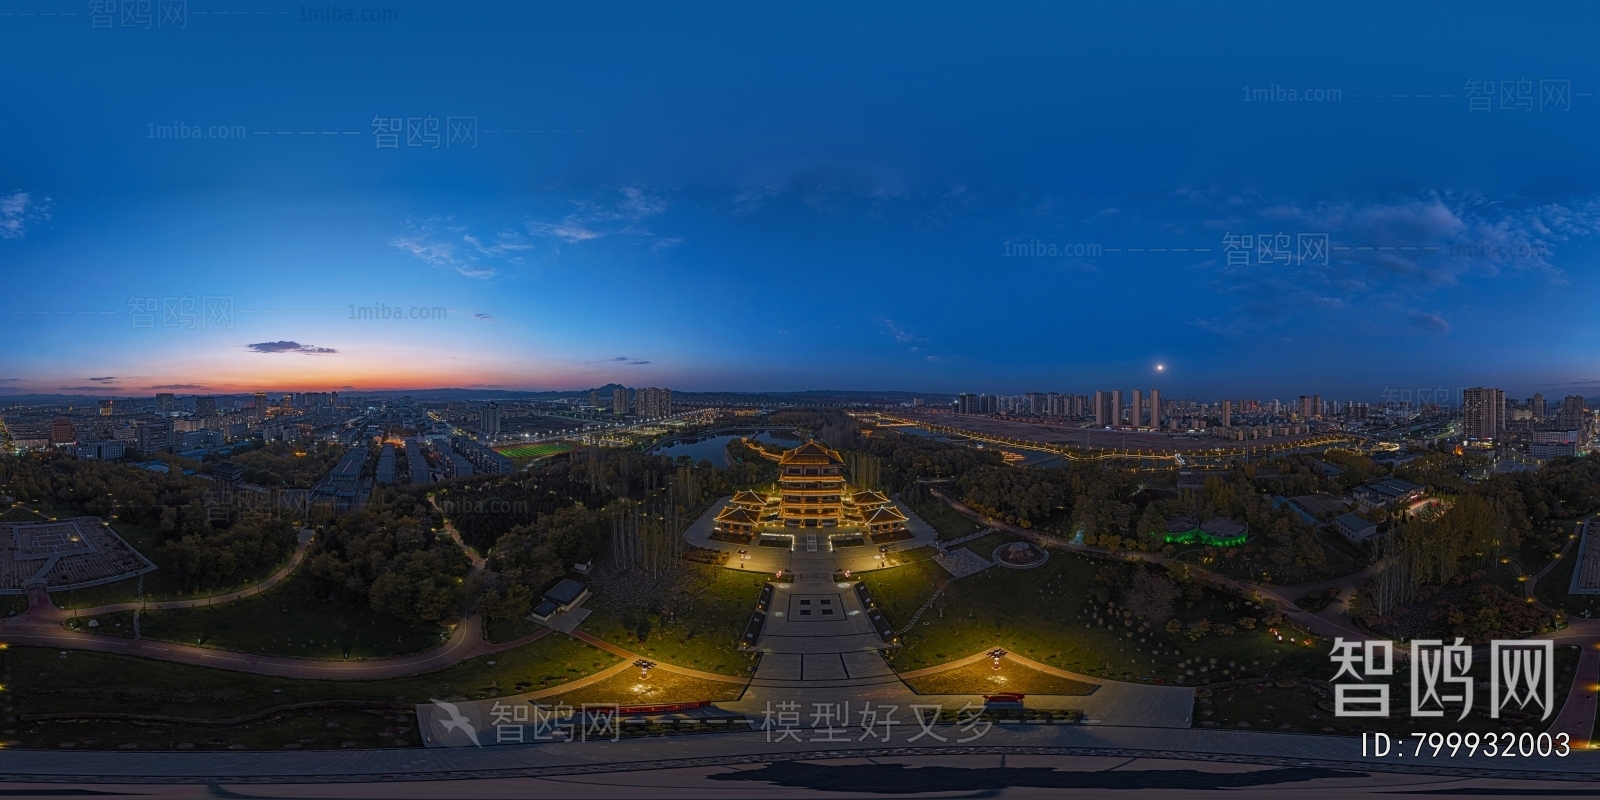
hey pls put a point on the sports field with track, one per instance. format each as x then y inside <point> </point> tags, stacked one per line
<point>534,450</point>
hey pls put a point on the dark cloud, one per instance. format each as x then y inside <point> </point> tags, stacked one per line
<point>638,361</point>
<point>482,316</point>
<point>288,347</point>
<point>177,386</point>
<point>102,379</point>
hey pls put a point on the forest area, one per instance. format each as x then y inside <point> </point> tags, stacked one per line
<point>1438,575</point>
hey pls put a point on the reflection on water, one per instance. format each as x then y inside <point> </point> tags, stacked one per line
<point>715,448</point>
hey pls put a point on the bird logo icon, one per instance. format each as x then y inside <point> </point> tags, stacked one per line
<point>457,722</point>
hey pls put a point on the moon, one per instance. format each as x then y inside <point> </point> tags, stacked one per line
<point>1160,367</point>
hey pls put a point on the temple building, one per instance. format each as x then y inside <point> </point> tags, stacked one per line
<point>811,480</point>
<point>812,493</point>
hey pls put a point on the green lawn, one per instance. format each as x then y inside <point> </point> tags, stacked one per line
<point>983,678</point>
<point>508,630</point>
<point>660,687</point>
<point>1047,615</point>
<point>315,729</point>
<point>43,682</point>
<point>21,513</point>
<point>286,620</point>
<point>1552,588</point>
<point>984,545</point>
<point>703,632</point>
<point>534,451</point>
<point>949,523</point>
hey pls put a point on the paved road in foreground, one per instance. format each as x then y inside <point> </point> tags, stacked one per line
<point>744,748</point>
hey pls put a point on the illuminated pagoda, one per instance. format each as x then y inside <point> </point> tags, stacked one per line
<point>812,493</point>
<point>744,513</point>
<point>736,520</point>
<point>811,482</point>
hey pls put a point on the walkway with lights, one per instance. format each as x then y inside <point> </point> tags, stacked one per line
<point>47,608</point>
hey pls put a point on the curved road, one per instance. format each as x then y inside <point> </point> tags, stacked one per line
<point>306,536</point>
<point>41,625</point>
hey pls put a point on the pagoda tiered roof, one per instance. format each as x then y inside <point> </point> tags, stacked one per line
<point>810,453</point>
<point>737,514</point>
<point>884,514</point>
<point>745,497</point>
<point>869,498</point>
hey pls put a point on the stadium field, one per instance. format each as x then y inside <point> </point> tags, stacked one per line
<point>533,450</point>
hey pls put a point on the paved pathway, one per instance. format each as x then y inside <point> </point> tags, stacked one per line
<point>41,626</point>
<point>629,657</point>
<point>1527,586</point>
<point>306,537</point>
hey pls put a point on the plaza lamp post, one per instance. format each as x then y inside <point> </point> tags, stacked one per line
<point>997,654</point>
<point>644,665</point>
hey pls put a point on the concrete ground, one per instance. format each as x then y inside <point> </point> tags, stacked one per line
<point>685,763</point>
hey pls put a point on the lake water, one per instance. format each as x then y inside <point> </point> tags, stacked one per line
<point>715,448</point>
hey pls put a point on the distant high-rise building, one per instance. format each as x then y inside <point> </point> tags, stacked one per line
<point>619,401</point>
<point>165,402</point>
<point>261,405</point>
<point>491,420</point>
<point>1305,406</point>
<point>1536,406</point>
<point>1573,415</point>
<point>1102,409</point>
<point>653,403</point>
<point>106,407</point>
<point>1227,413</point>
<point>966,403</point>
<point>205,406</point>
<point>594,398</point>
<point>287,402</point>
<point>1155,408</point>
<point>1483,413</point>
<point>1137,407</point>
<point>1116,407</point>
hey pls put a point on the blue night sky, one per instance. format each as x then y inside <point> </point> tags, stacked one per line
<point>795,196</point>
